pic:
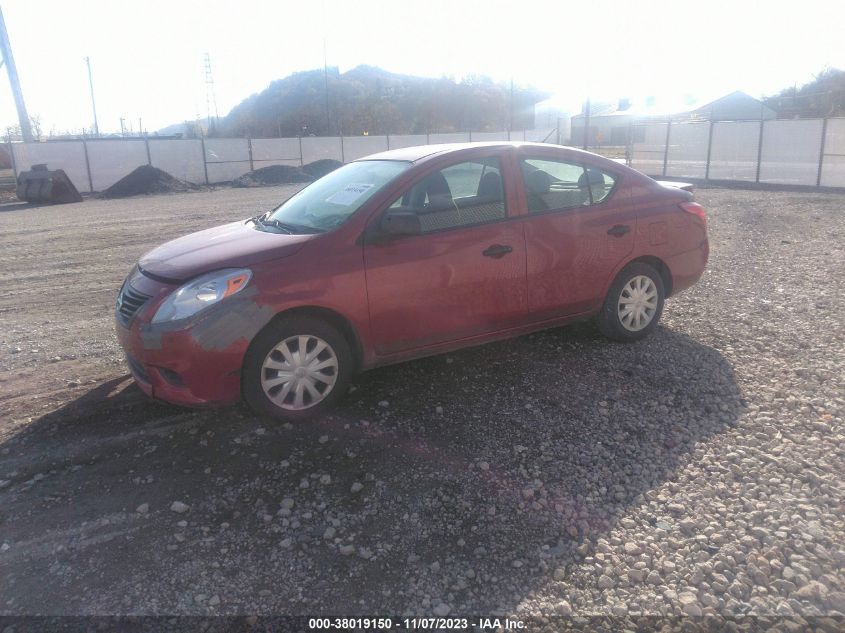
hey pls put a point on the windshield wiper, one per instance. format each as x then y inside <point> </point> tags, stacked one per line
<point>264,220</point>
<point>258,220</point>
<point>277,224</point>
<point>285,227</point>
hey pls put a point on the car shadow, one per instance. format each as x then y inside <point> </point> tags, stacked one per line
<point>478,479</point>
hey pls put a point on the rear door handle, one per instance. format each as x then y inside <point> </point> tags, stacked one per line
<point>619,230</point>
<point>497,251</point>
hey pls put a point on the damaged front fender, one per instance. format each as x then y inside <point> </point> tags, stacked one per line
<point>236,319</point>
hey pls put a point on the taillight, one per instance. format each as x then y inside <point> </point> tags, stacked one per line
<point>695,209</point>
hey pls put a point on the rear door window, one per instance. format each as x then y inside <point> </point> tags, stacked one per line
<point>555,185</point>
<point>552,185</point>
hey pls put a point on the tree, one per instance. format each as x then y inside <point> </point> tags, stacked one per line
<point>14,131</point>
<point>822,97</point>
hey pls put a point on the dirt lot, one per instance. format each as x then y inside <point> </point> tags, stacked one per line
<point>699,471</point>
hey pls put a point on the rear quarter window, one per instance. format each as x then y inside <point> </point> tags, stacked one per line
<point>601,184</point>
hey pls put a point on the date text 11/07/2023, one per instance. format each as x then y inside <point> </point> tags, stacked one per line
<point>419,623</point>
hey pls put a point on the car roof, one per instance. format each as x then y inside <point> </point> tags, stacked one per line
<point>419,152</point>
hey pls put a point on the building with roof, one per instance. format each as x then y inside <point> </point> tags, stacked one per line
<point>611,125</point>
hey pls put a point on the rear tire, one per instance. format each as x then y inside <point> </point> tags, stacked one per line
<point>296,369</point>
<point>633,304</point>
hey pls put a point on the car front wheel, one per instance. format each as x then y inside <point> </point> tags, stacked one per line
<point>633,304</point>
<point>296,369</point>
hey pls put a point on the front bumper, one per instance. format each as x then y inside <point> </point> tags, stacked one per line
<point>171,362</point>
<point>179,371</point>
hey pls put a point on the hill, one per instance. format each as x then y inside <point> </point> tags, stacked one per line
<point>370,100</point>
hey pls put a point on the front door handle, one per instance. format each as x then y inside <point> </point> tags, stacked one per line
<point>497,251</point>
<point>619,230</point>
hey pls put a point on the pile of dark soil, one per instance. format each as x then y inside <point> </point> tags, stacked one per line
<point>272,175</point>
<point>146,179</point>
<point>320,168</point>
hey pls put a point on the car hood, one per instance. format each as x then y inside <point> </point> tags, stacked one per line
<point>233,245</point>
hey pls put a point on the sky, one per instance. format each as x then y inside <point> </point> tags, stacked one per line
<point>147,57</point>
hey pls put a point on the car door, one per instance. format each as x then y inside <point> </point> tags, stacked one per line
<point>463,275</point>
<point>579,227</point>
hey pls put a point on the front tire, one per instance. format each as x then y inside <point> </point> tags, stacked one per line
<point>633,304</point>
<point>296,369</point>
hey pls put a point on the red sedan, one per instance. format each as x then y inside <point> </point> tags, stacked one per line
<point>404,254</point>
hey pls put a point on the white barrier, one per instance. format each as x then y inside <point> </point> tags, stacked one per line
<point>454,137</point>
<point>807,152</point>
<point>833,159</point>
<point>226,158</point>
<point>540,135</point>
<point>722,150</point>
<point>181,160</point>
<point>647,155</point>
<point>399,141</point>
<point>790,152</point>
<point>688,150</point>
<point>489,136</point>
<point>317,148</point>
<point>275,151</point>
<point>355,147</point>
<point>112,160</point>
<point>66,155</point>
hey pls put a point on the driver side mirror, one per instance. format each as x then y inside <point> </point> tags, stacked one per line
<point>401,223</point>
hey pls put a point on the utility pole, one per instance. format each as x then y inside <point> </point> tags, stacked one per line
<point>9,60</point>
<point>510,110</point>
<point>122,127</point>
<point>587,124</point>
<point>326,80</point>
<point>93,104</point>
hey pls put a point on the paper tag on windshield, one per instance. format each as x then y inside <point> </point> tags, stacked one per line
<point>349,194</point>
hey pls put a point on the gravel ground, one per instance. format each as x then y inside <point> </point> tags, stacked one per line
<point>697,472</point>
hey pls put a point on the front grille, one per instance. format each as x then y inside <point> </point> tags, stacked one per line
<point>129,302</point>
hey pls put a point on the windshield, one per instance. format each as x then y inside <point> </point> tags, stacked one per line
<point>329,201</point>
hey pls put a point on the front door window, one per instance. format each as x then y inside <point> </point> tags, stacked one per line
<point>460,195</point>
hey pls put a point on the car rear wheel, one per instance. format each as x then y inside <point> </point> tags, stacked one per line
<point>296,369</point>
<point>633,304</point>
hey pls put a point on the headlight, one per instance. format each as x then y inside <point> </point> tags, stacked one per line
<point>202,292</point>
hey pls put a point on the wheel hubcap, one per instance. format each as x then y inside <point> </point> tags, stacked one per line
<point>299,372</point>
<point>637,303</point>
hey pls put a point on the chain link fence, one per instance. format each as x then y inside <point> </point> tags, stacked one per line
<point>807,152</point>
